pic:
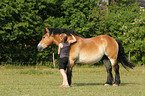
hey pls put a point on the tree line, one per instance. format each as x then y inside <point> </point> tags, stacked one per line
<point>22,23</point>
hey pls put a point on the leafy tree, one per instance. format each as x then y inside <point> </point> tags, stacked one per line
<point>19,26</point>
<point>22,23</point>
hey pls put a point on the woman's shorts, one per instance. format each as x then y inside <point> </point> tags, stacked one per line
<point>63,63</point>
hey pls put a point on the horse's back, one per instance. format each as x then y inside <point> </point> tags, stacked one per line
<point>101,40</point>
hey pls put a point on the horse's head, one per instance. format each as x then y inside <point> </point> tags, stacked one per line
<point>48,39</point>
<point>54,35</point>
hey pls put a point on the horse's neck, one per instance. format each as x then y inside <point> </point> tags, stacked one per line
<point>57,40</point>
<point>77,37</point>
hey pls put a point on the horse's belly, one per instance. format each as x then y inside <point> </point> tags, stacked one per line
<point>87,58</point>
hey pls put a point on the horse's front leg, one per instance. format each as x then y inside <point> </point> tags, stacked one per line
<point>69,71</point>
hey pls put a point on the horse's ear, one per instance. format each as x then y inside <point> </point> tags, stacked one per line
<point>52,34</point>
<point>47,30</point>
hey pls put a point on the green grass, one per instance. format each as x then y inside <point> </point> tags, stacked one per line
<point>32,81</point>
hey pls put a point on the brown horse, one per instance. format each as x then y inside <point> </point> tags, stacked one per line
<point>90,51</point>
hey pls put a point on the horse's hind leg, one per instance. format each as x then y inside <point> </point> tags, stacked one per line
<point>116,69</point>
<point>107,63</point>
<point>117,76</point>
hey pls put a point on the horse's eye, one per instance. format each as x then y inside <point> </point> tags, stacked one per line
<point>43,37</point>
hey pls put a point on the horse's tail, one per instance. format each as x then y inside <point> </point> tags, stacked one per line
<point>121,57</point>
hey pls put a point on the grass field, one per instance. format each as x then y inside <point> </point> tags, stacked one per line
<point>30,81</point>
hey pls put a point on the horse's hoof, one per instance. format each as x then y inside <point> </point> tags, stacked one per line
<point>115,85</point>
<point>107,85</point>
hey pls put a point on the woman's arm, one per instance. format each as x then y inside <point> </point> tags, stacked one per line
<point>73,40</point>
<point>59,47</point>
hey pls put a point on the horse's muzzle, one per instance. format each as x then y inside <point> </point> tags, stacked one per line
<point>40,47</point>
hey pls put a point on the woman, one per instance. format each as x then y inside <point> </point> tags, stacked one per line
<point>63,50</point>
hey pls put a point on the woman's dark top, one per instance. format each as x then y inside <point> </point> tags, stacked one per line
<point>65,50</point>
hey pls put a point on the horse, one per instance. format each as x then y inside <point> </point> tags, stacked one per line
<point>90,51</point>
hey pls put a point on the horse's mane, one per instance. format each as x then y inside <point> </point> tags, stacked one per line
<point>60,31</point>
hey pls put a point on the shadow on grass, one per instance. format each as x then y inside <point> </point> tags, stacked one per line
<point>125,84</point>
<point>88,84</point>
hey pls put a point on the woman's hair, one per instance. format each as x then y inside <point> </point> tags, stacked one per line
<point>63,37</point>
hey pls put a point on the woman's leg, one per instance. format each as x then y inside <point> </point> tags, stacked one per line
<point>63,73</point>
<point>62,66</point>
